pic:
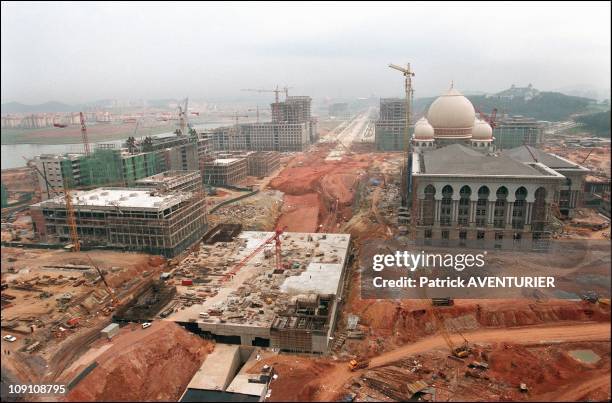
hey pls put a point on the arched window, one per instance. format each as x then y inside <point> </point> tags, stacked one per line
<point>429,205</point>
<point>446,206</point>
<point>481,206</point>
<point>499,214</point>
<point>520,208</point>
<point>463,214</point>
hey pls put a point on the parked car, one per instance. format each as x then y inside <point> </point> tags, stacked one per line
<point>146,325</point>
<point>10,338</point>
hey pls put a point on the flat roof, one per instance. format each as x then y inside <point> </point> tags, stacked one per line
<point>167,176</point>
<point>119,197</point>
<point>319,278</point>
<point>241,384</point>
<point>216,371</point>
<point>226,161</point>
<point>316,262</point>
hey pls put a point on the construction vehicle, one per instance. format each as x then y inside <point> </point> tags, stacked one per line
<point>590,296</point>
<point>358,363</point>
<point>110,291</point>
<point>442,301</point>
<point>458,352</point>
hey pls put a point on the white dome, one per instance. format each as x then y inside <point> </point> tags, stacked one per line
<point>423,130</point>
<point>482,130</point>
<point>451,114</point>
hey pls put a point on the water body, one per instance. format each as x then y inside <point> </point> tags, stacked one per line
<point>12,154</point>
<point>586,356</point>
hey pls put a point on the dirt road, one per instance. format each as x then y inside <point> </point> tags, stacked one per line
<point>574,392</point>
<point>527,335</point>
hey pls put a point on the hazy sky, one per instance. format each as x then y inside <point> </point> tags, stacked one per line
<point>77,52</point>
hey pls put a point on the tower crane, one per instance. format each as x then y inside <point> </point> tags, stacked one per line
<point>255,110</point>
<point>70,217</point>
<point>490,119</point>
<point>408,74</point>
<point>236,116</point>
<point>276,238</point>
<point>276,91</point>
<point>84,133</point>
<point>182,115</point>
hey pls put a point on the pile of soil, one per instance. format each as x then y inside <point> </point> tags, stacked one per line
<point>144,365</point>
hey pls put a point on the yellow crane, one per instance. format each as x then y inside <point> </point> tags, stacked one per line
<point>461,351</point>
<point>70,216</point>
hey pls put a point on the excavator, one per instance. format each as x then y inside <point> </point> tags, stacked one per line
<point>358,363</point>
<point>461,351</point>
<point>109,290</point>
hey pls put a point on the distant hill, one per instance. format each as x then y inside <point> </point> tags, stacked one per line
<point>16,107</point>
<point>596,123</point>
<point>586,91</point>
<point>552,106</point>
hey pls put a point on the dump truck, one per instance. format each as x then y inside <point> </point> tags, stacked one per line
<point>358,363</point>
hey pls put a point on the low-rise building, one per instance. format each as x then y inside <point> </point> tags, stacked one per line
<point>142,219</point>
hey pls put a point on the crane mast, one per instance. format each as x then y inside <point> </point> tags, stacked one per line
<point>408,74</point>
<point>277,242</point>
<point>84,136</point>
<point>70,215</point>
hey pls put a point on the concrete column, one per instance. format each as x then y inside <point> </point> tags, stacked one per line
<point>490,212</point>
<point>509,210</point>
<point>437,213</point>
<point>528,212</point>
<point>472,213</point>
<point>454,212</point>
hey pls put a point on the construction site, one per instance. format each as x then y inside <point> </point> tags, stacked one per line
<point>240,277</point>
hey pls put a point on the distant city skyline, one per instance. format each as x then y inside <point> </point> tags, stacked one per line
<point>78,53</point>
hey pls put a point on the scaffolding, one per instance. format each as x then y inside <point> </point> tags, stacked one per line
<point>107,166</point>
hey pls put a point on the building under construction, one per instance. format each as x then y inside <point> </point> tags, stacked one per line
<point>259,163</point>
<point>225,171</point>
<point>169,181</point>
<point>391,125</point>
<point>292,129</point>
<point>142,219</point>
<point>247,296</point>
<point>109,165</point>
<point>515,131</point>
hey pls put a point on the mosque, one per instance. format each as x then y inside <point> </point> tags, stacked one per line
<point>464,192</point>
